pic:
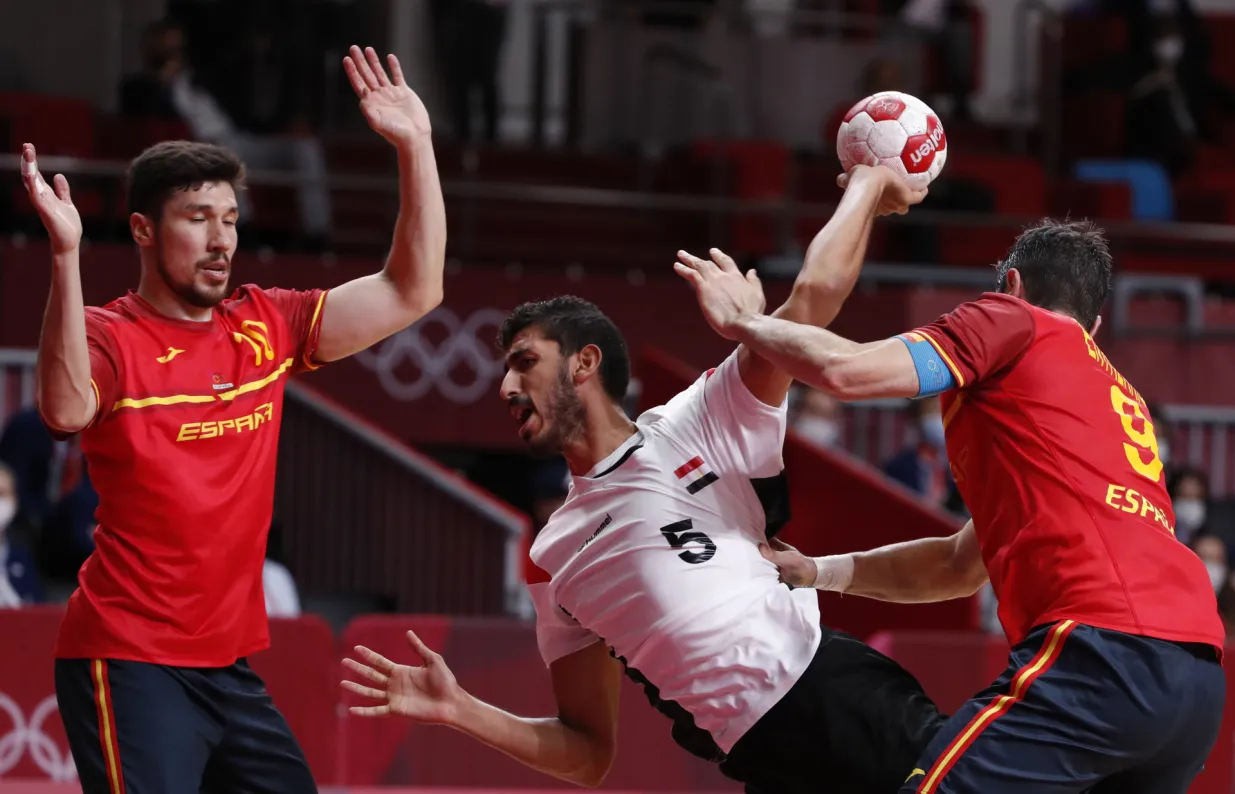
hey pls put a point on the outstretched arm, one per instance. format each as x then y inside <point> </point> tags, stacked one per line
<point>733,305</point>
<point>829,272</point>
<point>65,398</point>
<point>917,571</point>
<point>363,312</point>
<point>826,361</point>
<point>578,745</point>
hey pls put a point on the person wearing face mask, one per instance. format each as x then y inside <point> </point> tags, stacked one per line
<point>19,579</point>
<point>819,418</point>
<point>1189,490</point>
<point>923,466</point>
<point>1212,551</point>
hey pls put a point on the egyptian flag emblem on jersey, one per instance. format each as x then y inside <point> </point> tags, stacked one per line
<point>695,475</point>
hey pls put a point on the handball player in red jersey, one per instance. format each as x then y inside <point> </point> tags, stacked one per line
<point>177,390</point>
<point>1115,682</point>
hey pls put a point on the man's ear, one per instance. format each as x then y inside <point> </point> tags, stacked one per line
<point>1013,285</point>
<point>587,362</point>
<point>142,229</point>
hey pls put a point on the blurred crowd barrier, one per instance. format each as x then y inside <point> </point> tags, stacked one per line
<point>495,659</point>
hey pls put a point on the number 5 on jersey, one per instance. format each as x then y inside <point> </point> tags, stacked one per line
<point>679,534</point>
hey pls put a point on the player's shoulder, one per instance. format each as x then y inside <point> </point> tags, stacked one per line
<point>252,302</point>
<point>690,401</point>
<point>245,296</point>
<point>118,314</point>
<point>1002,302</point>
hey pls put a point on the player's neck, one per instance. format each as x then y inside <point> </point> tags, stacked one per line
<point>604,431</point>
<point>152,290</point>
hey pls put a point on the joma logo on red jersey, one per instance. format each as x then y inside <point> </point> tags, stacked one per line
<point>192,431</point>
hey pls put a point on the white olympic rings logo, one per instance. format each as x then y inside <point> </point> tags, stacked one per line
<point>44,750</point>
<point>468,344</point>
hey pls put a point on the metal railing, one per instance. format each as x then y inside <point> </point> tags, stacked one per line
<point>368,516</point>
<point>783,209</point>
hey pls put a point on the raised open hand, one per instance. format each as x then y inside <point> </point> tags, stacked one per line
<point>724,294</point>
<point>392,108</point>
<point>55,206</point>
<point>428,693</point>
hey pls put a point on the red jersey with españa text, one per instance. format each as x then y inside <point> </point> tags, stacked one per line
<point>182,455</point>
<point>1055,455</point>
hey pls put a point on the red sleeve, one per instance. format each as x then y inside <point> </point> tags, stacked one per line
<point>104,368</point>
<point>104,362</point>
<point>981,338</point>
<point>302,311</point>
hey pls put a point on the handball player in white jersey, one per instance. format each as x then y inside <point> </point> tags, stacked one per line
<point>652,566</point>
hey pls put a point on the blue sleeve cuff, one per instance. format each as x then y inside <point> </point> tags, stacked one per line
<point>934,377</point>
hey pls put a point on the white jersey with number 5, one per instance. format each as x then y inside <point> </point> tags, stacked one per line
<point>656,553</point>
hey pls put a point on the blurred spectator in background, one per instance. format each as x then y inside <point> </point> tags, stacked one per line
<point>19,577</point>
<point>947,28</point>
<point>282,598</point>
<point>1212,551</point>
<point>818,416</point>
<point>54,491</point>
<point>468,36</point>
<point>923,465</point>
<point>1215,554</point>
<point>1174,99</point>
<point>167,89</point>
<point>1189,490</point>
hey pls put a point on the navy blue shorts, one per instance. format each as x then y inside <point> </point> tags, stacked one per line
<point>142,728</point>
<point>1082,709</point>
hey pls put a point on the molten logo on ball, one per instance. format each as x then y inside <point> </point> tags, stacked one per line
<point>896,130</point>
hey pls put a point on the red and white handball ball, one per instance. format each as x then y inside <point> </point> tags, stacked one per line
<point>896,130</point>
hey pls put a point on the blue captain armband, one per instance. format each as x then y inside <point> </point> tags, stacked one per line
<point>934,377</point>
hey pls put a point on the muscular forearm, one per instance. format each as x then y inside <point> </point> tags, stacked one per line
<point>547,745</point>
<point>806,353</point>
<point>917,571</point>
<point>835,256</point>
<point>65,399</point>
<point>418,251</point>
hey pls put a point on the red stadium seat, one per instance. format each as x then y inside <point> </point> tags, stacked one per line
<point>1018,183</point>
<point>761,169</point>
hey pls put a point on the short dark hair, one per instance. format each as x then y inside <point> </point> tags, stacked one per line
<point>1064,265</point>
<point>574,324</point>
<point>157,173</point>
